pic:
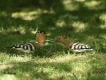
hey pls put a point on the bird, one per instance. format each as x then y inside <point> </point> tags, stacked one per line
<point>73,46</point>
<point>31,46</point>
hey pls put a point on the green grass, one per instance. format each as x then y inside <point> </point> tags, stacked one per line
<point>82,21</point>
<point>64,66</point>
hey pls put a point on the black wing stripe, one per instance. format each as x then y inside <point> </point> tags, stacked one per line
<point>88,47</point>
<point>32,46</point>
<point>83,47</point>
<point>29,46</point>
<point>21,45</point>
<point>74,46</point>
<point>18,45</point>
<point>25,47</point>
<point>79,47</point>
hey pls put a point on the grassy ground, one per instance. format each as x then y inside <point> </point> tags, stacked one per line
<point>83,21</point>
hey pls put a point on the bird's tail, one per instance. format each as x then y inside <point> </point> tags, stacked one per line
<point>11,47</point>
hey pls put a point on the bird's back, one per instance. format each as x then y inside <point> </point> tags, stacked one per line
<point>78,47</point>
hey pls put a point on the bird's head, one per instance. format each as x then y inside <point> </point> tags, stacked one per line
<point>41,37</point>
<point>60,38</point>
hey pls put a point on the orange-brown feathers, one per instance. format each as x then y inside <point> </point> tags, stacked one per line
<point>41,37</point>
<point>73,46</point>
<point>62,37</point>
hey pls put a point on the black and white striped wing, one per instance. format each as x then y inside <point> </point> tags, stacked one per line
<point>77,47</point>
<point>27,48</point>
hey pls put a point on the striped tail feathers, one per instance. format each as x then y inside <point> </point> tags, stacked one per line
<point>31,46</point>
<point>14,46</point>
<point>78,47</point>
<point>74,47</point>
<point>27,48</point>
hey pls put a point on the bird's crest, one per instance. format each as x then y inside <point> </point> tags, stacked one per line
<point>41,37</point>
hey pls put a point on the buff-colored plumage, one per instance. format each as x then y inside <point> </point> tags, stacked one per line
<point>31,46</point>
<point>41,37</point>
<point>73,46</point>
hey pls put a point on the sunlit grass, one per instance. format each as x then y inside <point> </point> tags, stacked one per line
<point>92,4</point>
<point>25,15</point>
<point>54,61</point>
<point>79,26</point>
<point>65,66</point>
<point>89,4</point>
<point>30,15</point>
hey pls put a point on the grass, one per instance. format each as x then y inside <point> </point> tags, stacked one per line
<point>82,21</point>
<point>64,66</point>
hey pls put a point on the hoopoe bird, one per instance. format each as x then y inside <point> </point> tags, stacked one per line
<point>31,46</point>
<point>73,46</point>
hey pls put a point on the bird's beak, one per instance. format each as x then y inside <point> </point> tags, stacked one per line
<point>52,40</point>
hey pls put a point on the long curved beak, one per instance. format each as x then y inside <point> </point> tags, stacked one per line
<point>51,40</point>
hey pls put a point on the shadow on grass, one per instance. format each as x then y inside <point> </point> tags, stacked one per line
<point>37,70</point>
<point>44,52</point>
<point>80,20</point>
<point>46,19</point>
<point>57,69</point>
